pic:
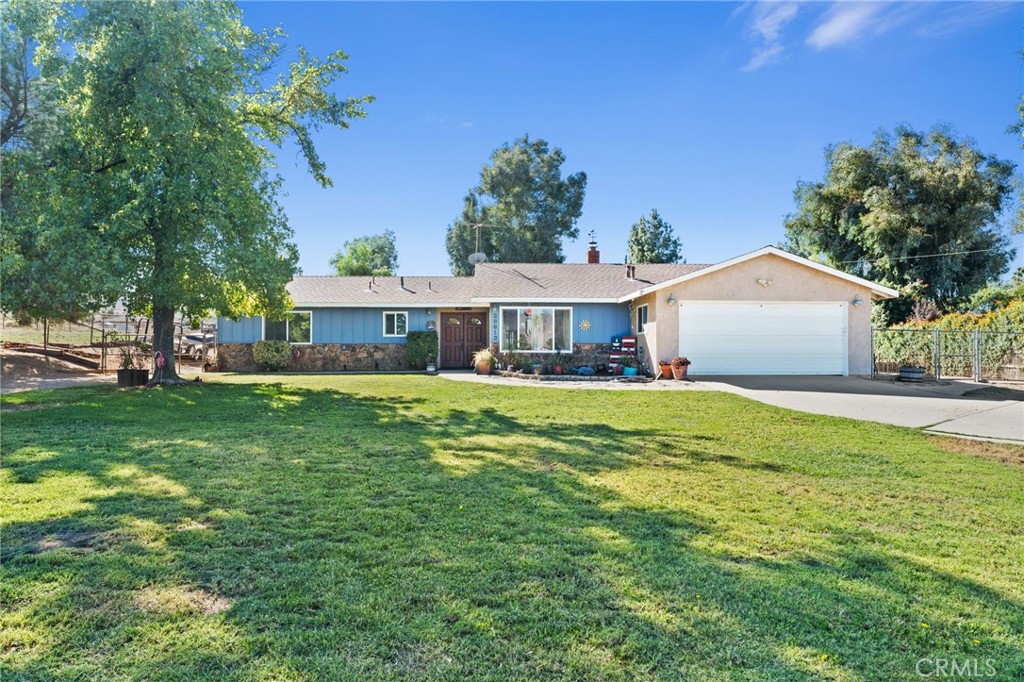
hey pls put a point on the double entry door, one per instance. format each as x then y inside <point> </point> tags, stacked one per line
<point>462,334</point>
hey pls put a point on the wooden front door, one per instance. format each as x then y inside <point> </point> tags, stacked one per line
<point>462,334</point>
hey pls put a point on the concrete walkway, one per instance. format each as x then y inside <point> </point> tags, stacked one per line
<point>948,407</point>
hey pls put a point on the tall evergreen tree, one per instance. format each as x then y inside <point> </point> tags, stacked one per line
<point>652,240</point>
<point>523,205</point>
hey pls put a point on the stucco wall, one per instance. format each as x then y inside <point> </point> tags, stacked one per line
<point>790,282</point>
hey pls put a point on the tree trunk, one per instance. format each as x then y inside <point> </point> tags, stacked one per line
<point>163,343</point>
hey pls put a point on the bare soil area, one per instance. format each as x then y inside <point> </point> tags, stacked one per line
<point>29,371</point>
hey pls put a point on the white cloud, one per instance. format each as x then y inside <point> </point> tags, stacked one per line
<point>845,23</point>
<point>771,17</point>
<point>766,23</point>
<point>959,17</point>
<point>763,56</point>
<point>468,124</point>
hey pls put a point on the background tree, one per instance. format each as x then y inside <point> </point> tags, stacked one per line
<point>159,182</point>
<point>32,287</point>
<point>526,205</point>
<point>914,211</point>
<point>652,240</point>
<point>370,255</point>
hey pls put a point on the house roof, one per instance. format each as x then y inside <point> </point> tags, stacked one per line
<point>878,291</point>
<point>412,292</point>
<point>529,283</point>
<point>567,282</point>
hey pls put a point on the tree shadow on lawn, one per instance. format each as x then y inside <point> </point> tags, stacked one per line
<point>254,532</point>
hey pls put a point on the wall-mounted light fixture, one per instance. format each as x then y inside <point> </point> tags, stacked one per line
<point>857,300</point>
<point>764,281</point>
<point>429,312</point>
<point>671,299</point>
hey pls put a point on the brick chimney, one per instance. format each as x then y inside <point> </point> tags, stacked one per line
<point>593,255</point>
<point>630,271</point>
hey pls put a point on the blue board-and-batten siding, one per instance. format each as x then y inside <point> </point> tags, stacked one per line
<point>330,325</point>
<point>606,319</point>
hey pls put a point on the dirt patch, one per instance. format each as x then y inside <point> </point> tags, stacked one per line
<point>28,371</point>
<point>82,541</point>
<point>999,452</point>
<point>180,599</point>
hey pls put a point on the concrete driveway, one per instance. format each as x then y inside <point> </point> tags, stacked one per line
<point>948,407</point>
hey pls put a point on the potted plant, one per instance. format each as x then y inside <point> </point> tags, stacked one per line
<point>629,367</point>
<point>666,369</point>
<point>126,372</point>
<point>680,366</point>
<point>431,366</point>
<point>141,373</point>
<point>483,360</point>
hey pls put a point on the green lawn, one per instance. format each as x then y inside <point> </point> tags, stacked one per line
<point>395,527</point>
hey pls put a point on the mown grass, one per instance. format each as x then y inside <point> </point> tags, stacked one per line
<point>365,528</point>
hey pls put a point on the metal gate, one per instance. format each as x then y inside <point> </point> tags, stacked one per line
<point>976,354</point>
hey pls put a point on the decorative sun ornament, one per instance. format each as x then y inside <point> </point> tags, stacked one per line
<point>585,325</point>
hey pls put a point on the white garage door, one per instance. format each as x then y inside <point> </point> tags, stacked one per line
<point>763,338</point>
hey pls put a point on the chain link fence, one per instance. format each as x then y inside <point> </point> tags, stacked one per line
<point>976,354</point>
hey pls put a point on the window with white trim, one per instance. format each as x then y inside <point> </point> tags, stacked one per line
<point>296,327</point>
<point>641,318</point>
<point>396,323</point>
<point>536,330</point>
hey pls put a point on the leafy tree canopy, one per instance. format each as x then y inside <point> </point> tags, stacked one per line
<point>998,295</point>
<point>370,255</point>
<point>652,240</point>
<point>524,205</point>
<point>916,211</point>
<point>158,188</point>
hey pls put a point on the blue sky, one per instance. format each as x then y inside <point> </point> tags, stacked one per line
<point>709,112</point>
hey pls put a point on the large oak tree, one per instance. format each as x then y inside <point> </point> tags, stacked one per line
<point>160,187</point>
<point>917,211</point>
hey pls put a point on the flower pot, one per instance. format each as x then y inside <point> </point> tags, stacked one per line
<point>911,373</point>
<point>141,377</point>
<point>125,378</point>
<point>679,373</point>
<point>483,368</point>
<point>431,367</point>
<point>666,370</point>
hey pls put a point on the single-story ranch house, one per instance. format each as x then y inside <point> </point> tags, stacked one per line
<point>765,312</point>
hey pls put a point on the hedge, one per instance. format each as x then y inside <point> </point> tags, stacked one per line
<point>419,347</point>
<point>912,343</point>
<point>272,355</point>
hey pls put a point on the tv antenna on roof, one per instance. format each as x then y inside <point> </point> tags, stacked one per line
<point>478,256</point>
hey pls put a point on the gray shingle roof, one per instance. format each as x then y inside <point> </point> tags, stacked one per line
<point>535,281</point>
<point>354,291</point>
<point>502,281</point>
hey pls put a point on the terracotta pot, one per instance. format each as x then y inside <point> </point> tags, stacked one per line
<point>666,370</point>
<point>680,372</point>
<point>483,368</point>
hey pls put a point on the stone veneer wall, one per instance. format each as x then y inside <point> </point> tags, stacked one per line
<point>583,354</point>
<point>321,357</point>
